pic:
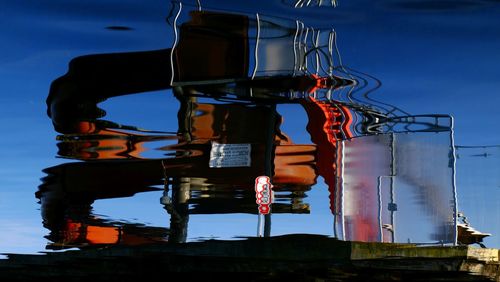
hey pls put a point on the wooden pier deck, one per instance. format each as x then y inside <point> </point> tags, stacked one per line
<point>289,258</point>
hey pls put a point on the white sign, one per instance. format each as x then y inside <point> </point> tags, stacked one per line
<point>229,155</point>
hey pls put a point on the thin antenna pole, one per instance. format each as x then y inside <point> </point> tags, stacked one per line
<point>176,38</point>
<point>256,47</point>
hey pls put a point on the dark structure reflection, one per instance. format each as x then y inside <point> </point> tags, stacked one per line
<point>112,152</point>
<point>228,92</point>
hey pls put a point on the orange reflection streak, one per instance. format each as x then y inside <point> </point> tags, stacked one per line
<point>92,142</point>
<point>103,234</point>
<point>77,233</point>
<point>294,164</point>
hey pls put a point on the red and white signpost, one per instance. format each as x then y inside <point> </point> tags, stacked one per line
<point>264,198</point>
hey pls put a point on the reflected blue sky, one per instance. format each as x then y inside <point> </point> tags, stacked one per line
<point>430,59</point>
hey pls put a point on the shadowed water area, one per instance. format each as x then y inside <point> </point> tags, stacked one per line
<point>294,140</point>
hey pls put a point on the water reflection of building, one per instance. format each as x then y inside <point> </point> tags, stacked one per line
<point>366,176</point>
<point>374,174</point>
<point>196,187</point>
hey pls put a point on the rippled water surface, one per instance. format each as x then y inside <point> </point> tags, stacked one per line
<point>132,122</point>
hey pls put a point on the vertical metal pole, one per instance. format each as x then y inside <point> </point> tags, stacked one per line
<point>393,174</point>
<point>176,40</point>
<point>331,61</point>
<point>256,51</point>
<point>305,49</point>
<point>342,193</point>
<point>295,62</point>
<point>379,198</point>
<point>337,201</point>
<point>265,220</point>
<point>267,225</point>
<point>181,187</point>
<point>316,47</point>
<point>453,181</point>
<point>260,225</point>
<point>180,215</point>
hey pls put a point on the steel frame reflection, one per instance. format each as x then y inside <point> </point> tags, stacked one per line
<point>226,103</point>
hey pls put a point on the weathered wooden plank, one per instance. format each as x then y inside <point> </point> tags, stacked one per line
<point>291,257</point>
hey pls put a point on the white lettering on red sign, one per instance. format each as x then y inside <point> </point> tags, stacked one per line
<point>264,194</point>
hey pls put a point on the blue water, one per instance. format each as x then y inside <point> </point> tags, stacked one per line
<point>430,57</point>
